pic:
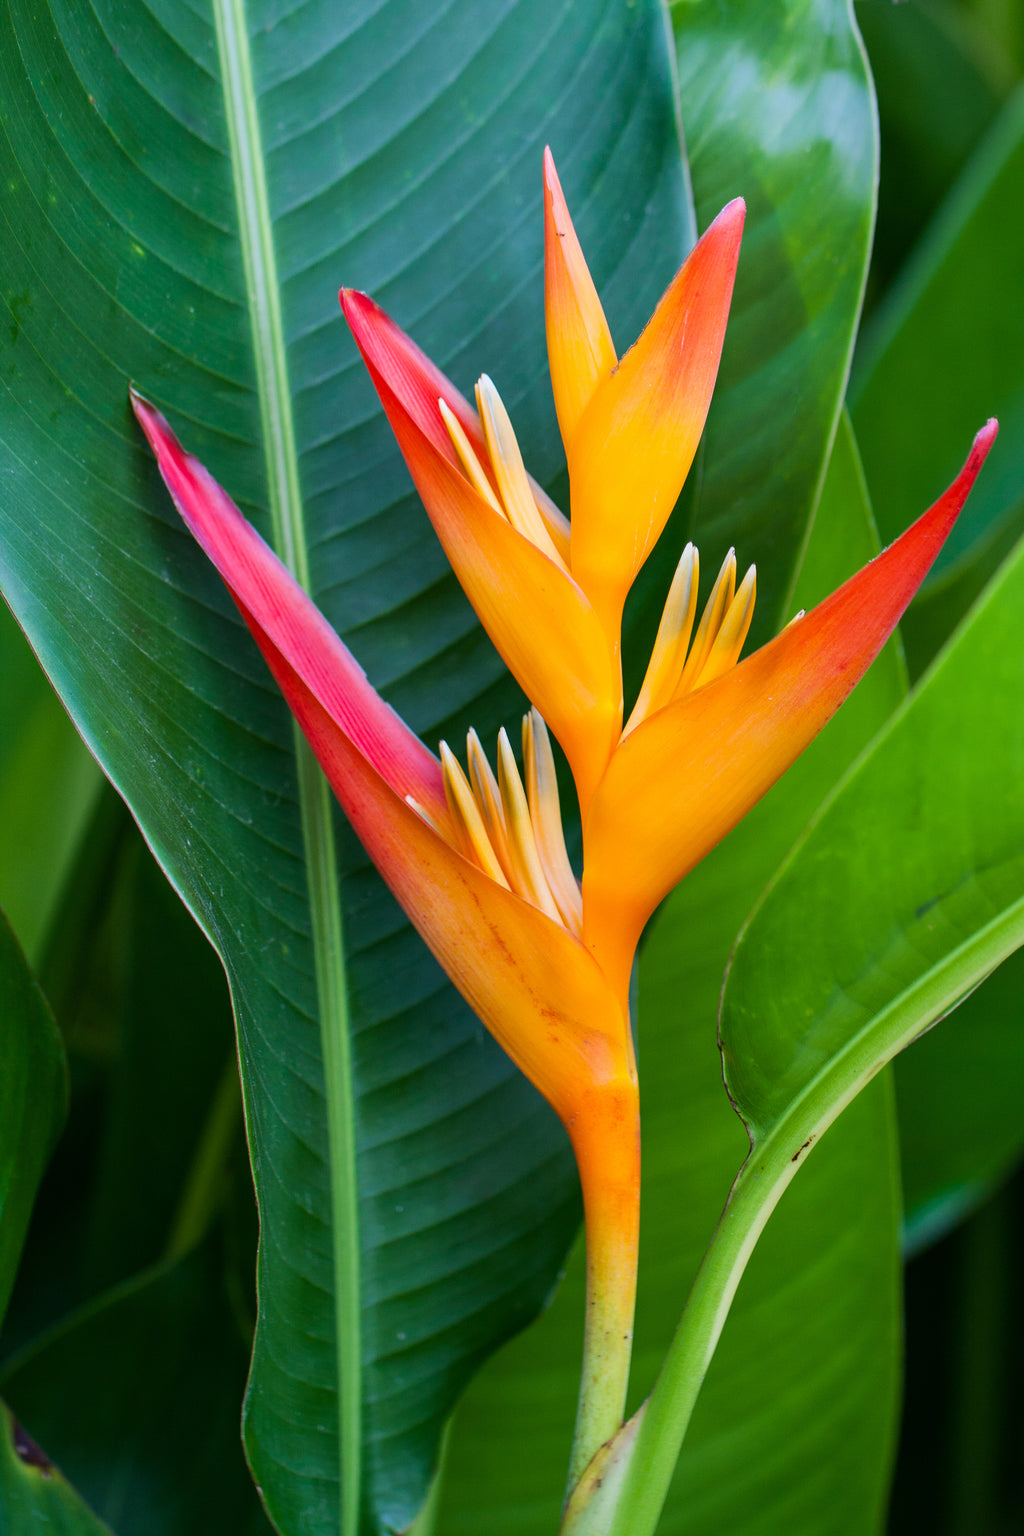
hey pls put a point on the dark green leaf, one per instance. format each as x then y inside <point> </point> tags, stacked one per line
<point>34,1497</point>
<point>959,1093</point>
<point>778,108</point>
<point>820,1295</point>
<point>945,352</point>
<point>48,788</point>
<point>399,149</point>
<point>33,1096</point>
<point>136,1398</point>
<point>941,80</point>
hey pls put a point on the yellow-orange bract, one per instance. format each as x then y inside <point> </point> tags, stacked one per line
<point>477,859</point>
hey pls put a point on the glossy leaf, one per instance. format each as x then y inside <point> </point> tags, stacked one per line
<point>821,1420</point>
<point>924,841</point>
<point>229,164</point>
<point>778,108</point>
<point>33,1095</point>
<point>953,302</point>
<point>160,1362</point>
<point>34,1496</point>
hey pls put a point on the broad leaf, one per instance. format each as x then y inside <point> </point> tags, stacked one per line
<point>943,353</point>
<point>906,892</point>
<point>820,1297</point>
<point>184,193</point>
<point>136,1398</point>
<point>778,108</point>
<point>33,1495</point>
<point>33,1095</point>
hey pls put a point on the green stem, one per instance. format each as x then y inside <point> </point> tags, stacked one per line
<point>759,1186</point>
<point>606,1140</point>
<point>289,537</point>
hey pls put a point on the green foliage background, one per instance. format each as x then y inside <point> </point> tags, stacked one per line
<point>186,185</point>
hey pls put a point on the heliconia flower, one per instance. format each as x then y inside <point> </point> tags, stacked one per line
<point>477,857</point>
<point>552,601</point>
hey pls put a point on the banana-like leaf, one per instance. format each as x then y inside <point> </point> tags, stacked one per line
<point>905,893</point>
<point>33,1098</point>
<point>778,107</point>
<point>185,188</point>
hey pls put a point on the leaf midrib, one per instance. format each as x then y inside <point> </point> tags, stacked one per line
<point>290,542</point>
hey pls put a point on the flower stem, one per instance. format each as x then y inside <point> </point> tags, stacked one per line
<point>606,1140</point>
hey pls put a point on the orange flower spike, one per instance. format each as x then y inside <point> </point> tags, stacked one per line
<point>481,870</point>
<point>580,349</point>
<point>633,445</point>
<point>509,555</point>
<point>685,775</point>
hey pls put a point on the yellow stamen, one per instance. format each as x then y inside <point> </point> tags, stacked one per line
<point>722,594</point>
<point>729,640</point>
<point>467,457</point>
<point>476,844</point>
<point>546,817</point>
<point>488,799</point>
<point>528,875</point>
<point>669,654</point>
<point>510,471</point>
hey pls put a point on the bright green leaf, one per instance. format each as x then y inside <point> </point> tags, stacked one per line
<point>778,108</point>
<point>184,192</point>
<point>905,893</point>
<point>942,354</point>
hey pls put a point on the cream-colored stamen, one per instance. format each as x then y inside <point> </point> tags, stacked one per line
<point>528,875</point>
<point>669,653</point>
<point>467,457</point>
<point>476,845</point>
<point>735,626</point>
<point>546,816</point>
<point>488,799</point>
<point>510,471</point>
<point>722,594</point>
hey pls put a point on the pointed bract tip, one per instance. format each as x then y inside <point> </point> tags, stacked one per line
<point>984,439</point>
<point>731,219</point>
